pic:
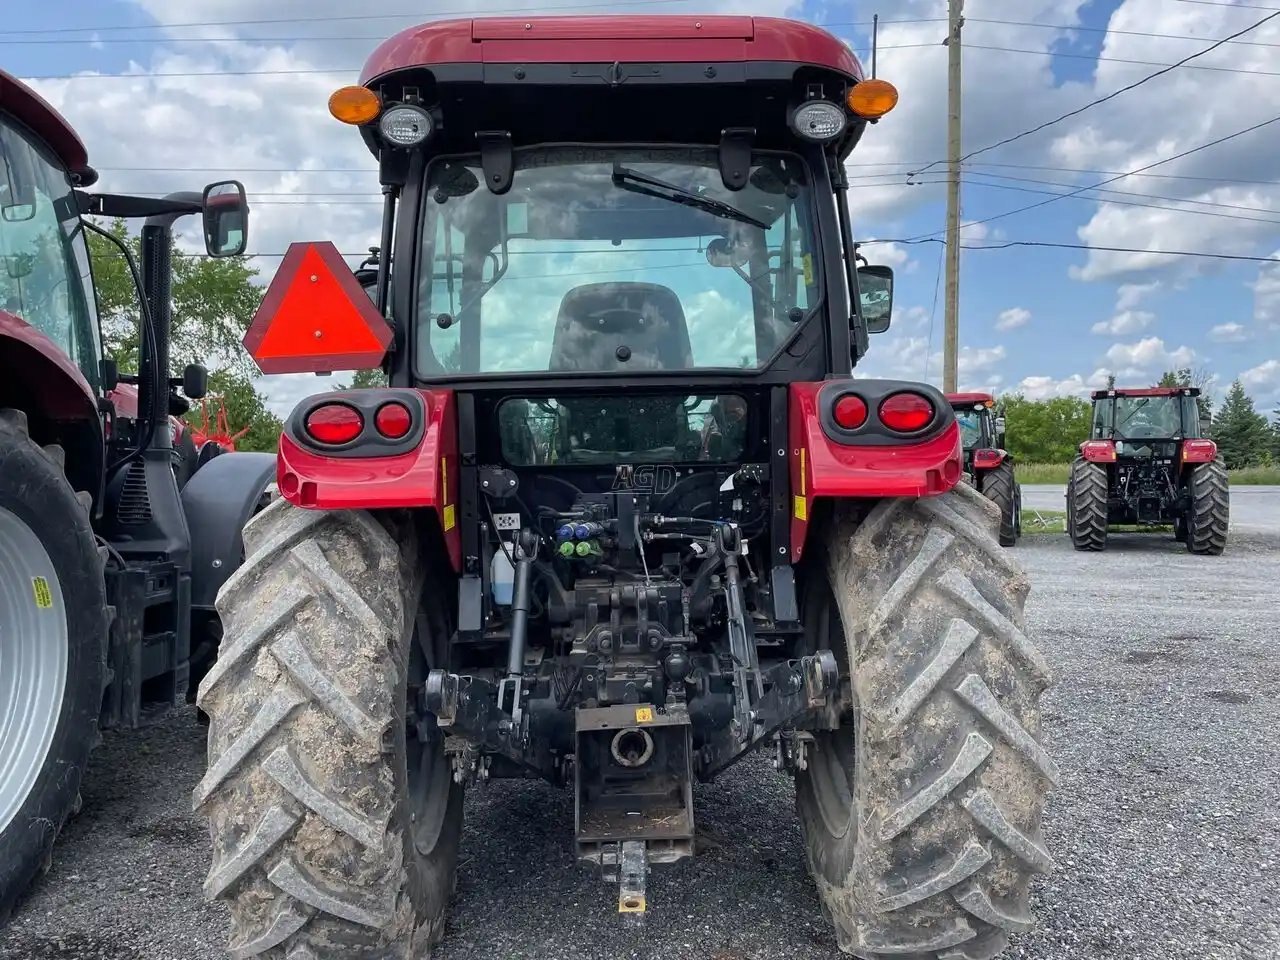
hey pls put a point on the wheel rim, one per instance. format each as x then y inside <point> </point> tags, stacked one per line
<point>829,774</point>
<point>425,761</point>
<point>33,660</point>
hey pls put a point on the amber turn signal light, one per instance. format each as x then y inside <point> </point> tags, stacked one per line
<point>872,99</point>
<point>355,105</point>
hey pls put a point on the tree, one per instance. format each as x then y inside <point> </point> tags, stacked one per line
<point>213,302</point>
<point>364,379</point>
<point>1187,377</point>
<point>245,408</point>
<point>1045,431</point>
<point>1242,434</point>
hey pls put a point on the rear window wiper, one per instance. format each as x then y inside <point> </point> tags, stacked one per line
<point>628,179</point>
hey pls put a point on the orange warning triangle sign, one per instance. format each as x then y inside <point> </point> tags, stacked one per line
<point>315,317</point>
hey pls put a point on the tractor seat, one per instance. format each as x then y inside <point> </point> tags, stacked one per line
<point>620,326</point>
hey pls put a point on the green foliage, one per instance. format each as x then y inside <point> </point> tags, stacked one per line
<point>244,406</point>
<point>1045,431</point>
<point>364,379</point>
<point>1186,377</point>
<point>1243,436</point>
<point>213,302</point>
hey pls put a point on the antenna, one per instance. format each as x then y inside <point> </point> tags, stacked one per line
<point>875,31</point>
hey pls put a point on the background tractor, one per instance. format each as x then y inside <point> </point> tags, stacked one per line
<point>105,563</point>
<point>987,464</point>
<point>622,516</point>
<point>1147,463</point>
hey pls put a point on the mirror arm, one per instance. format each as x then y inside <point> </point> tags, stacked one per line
<point>390,194</point>
<point>840,183</point>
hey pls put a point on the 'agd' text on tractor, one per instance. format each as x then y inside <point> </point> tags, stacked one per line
<point>622,515</point>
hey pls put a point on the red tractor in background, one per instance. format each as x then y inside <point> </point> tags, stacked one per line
<point>987,464</point>
<point>1148,463</point>
<point>111,550</point>
<point>622,515</point>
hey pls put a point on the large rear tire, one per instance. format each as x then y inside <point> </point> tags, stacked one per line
<point>335,820</point>
<point>1000,488</point>
<point>1210,511</point>
<point>921,815</point>
<point>1087,505</point>
<point>53,625</point>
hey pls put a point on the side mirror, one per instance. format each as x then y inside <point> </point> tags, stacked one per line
<point>875,297</point>
<point>226,219</point>
<point>999,424</point>
<point>109,374</point>
<point>195,382</point>
<point>17,188</point>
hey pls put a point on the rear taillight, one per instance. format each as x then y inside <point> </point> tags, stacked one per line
<point>393,420</point>
<point>987,459</point>
<point>850,412</point>
<point>1098,451</point>
<point>334,423</point>
<point>1199,451</point>
<point>906,412</point>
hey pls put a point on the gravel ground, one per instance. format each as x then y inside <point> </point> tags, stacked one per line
<point>1166,827</point>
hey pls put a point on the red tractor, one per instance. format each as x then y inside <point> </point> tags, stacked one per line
<point>987,464</point>
<point>622,515</point>
<point>1147,463</point>
<point>108,566</point>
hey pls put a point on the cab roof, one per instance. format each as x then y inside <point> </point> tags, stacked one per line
<point>32,110</point>
<point>1146,392</point>
<point>611,39</point>
<point>969,398</point>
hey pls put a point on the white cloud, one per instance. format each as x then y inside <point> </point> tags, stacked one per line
<point>1044,387</point>
<point>1149,354</point>
<point>1228,333</point>
<point>1012,318</point>
<point>1124,323</point>
<point>1129,295</point>
<point>1266,296</point>
<point>1264,377</point>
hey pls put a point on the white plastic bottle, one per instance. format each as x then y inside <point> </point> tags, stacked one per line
<point>502,576</point>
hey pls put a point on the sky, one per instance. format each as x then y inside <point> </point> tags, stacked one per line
<point>170,95</point>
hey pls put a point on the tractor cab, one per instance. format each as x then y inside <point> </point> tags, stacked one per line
<point>620,459</point>
<point>987,465</point>
<point>1144,461</point>
<point>980,428</point>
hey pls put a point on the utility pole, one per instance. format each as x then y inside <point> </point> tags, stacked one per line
<point>955,22</point>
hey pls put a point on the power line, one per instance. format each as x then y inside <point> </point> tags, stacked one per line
<point>1226,3</point>
<point>315,71</point>
<point>1100,59</point>
<point>417,15</point>
<point>1126,203</point>
<point>1095,186</point>
<point>1004,245</point>
<point>1115,93</point>
<point>1112,31</point>
<point>1123,193</point>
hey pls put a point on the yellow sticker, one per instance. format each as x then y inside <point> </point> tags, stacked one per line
<point>44,597</point>
<point>448,518</point>
<point>631,904</point>
<point>444,479</point>
<point>802,451</point>
<point>802,509</point>
<point>644,714</point>
<point>808,270</point>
